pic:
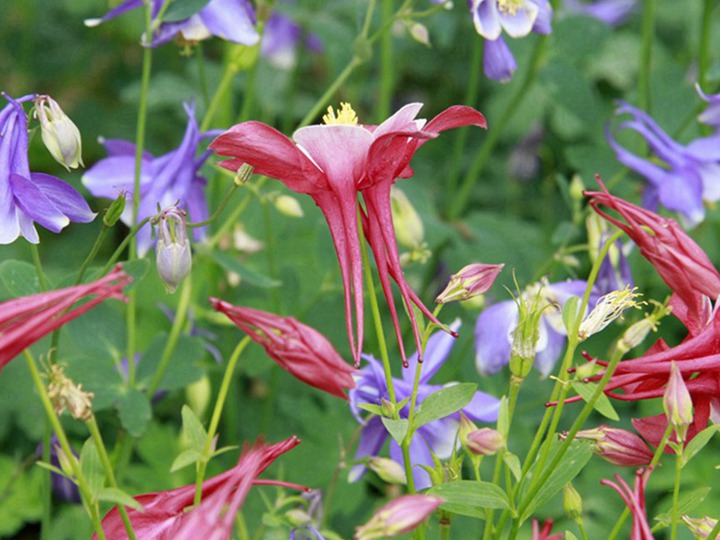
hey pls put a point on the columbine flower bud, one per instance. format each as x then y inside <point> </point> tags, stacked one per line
<point>700,527</point>
<point>174,259</point>
<point>60,135</point>
<point>607,309</point>
<point>288,206</point>
<point>618,446</point>
<point>388,470</point>
<point>638,331</point>
<point>484,441</point>
<point>472,280</point>
<point>409,229</point>
<point>419,33</point>
<point>115,210</point>
<point>527,332</point>
<point>66,395</point>
<point>677,403</point>
<point>572,502</point>
<point>466,428</point>
<point>398,517</point>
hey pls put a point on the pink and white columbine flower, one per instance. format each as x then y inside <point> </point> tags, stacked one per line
<point>332,163</point>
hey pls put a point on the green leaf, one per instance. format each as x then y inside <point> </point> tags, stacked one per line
<point>570,465</point>
<point>21,496</point>
<point>183,370</point>
<point>369,407</point>
<point>247,274</point>
<point>186,457</point>
<point>135,411</point>
<point>513,463</point>
<point>699,442</point>
<point>570,536</point>
<point>687,502</point>
<point>193,429</point>
<point>602,405</point>
<point>20,278</point>
<point>100,333</point>
<point>183,9</point>
<point>92,468</point>
<point>118,496</point>
<point>224,449</point>
<point>470,498</point>
<point>444,402</point>
<point>570,313</point>
<point>397,428</point>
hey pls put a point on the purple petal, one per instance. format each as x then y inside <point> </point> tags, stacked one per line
<point>197,207</point>
<point>36,205</point>
<point>543,22</point>
<point>482,408</point>
<point>109,176</point>
<point>546,358</point>
<point>64,197</point>
<point>120,147</point>
<point>372,439</point>
<point>498,61</point>
<point>419,455</point>
<point>436,352</point>
<point>126,6</point>
<point>486,18</point>
<point>493,336</point>
<point>232,20</point>
<point>521,23</point>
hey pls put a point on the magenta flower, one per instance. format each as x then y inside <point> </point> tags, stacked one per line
<point>543,533</point>
<point>27,197</point>
<point>635,501</point>
<point>618,446</point>
<point>302,351</point>
<point>164,516</point>
<point>25,320</point>
<point>332,163</point>
<point>399,516</point>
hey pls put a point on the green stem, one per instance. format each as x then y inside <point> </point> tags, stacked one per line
<point>177,326</point>
<point>218,210</point>
<point>581,527</point>
<point>46,519</point>
<point>387,70</point>
<point>202,76</point>
<point>220,93</point>
<point>330,92</point>
<point>648,30</point>
<point>704,51</point>
<point>105,460</point>
<point>217,412</point>
<point>715,531</point>
<point>270,251</point>
<point>676,491</point>
<point>93,252</point>
<point>445,531</point>
<point>118,252</point>
<point>459,201</point>
<point>91,508</point>
<point>38,267</point>
<point>233,218</point>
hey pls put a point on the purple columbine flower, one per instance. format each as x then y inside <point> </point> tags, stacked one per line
<point>165,180</point>
<point>517,18</point>
<point>26,197</point>
<point>611,12</point>
<point>495,327</point>
<point>281,39</point>
<point>233,20</point>
<point>438,436</point>
<point>689,175</point>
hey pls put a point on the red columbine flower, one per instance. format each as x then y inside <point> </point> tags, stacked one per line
<point>681,263</point>
<point>544,532</point>
<point>297,348</point>
<point>164,515</point>
<point>25,320</point>
<point>635,500</point>
<point>333,163</point>
<point>618,446</point>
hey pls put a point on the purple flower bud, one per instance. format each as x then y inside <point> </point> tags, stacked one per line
<point>398,517</point>
<point>677,402</point>
<point>618,446</point>
<point>174,259</point>
<point>472,280</point>
<point>484,441</point>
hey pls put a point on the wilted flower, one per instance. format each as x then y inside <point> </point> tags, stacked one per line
<point>688,175</point>
<point>25,320</point>
<point>297,348</point>
<point>484,441</point>
<point>167,515</point>
<point>437,437</point>
<point>66,395</point>
<point>611,12</point>
<point>174,258</point>
<point>618,446</point>
<point>233,20</point>
<point>60,135</point>
<point>399,516</point>
<point>470,281</point>
<point>27,198</point>
<point>164,180</point>
<point>635,501</point>
<point>332,163</point>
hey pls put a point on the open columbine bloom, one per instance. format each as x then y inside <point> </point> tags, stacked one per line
<point>233,20</point>
<point>437,437</point>
<point>334,161</point>
<point>302,351</point>
<point>26,197</point>
<point>25,320</point>
<point>688,176</point>
<point>164,180</point>
<point>517,18</point>
<point>168,515</point>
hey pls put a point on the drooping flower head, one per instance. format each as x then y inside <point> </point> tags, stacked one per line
<point>233,20</point>
<point>26,197</point>
<point>332,163</point>
<point>437,437</point>
<point>165,180</point>
<point>635,500</point>
<point>688,176</point>
<point>25,320</point>
<point>164,516</point>
<point>297,348</point>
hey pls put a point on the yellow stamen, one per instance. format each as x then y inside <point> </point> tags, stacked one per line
<point>345,115</point>
<point>509,7</point>
<point>609,308</point>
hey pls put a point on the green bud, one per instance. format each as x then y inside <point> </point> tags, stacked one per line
<point>572,502</point>
<point>115,210</point>
<point>243,174</point>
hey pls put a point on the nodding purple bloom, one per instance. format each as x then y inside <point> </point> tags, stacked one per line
<point>611,12</point>
<point>438,437</point>
<point>281,39</point>
<point>62,487</point>
<point>517,18</point>
<point>167,180</point>
<point>26,197</point>
<point>711,114</point>
<point>688,176</point>
<point>495,327</point>
<point>233,20</point>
